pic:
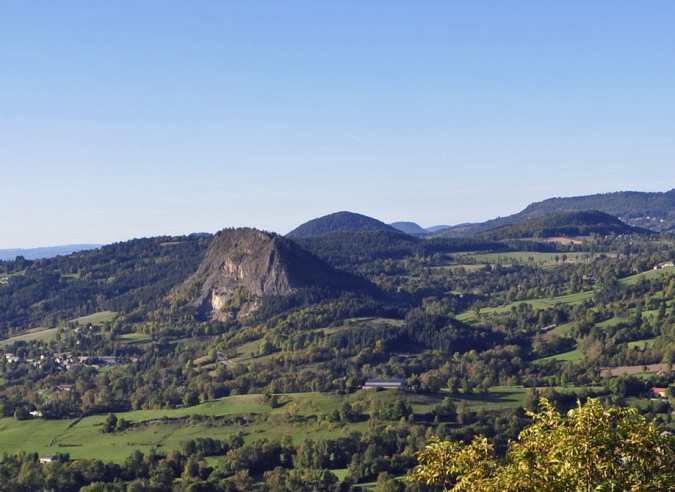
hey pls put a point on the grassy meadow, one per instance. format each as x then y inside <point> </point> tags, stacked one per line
<point>251,415</point>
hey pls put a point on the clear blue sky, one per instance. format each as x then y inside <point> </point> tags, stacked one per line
<point>140,118</point>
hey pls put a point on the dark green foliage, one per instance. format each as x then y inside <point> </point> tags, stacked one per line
<point>632,207</point>
<point>339,222</point>
<point>130,276</point>
<point>348,250</point>
<point>563,224</point>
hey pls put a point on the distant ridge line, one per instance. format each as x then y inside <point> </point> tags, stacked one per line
<point>45,252</point>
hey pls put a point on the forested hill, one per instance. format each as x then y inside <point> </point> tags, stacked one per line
<point>409,228</point>
<point>46,252</point>
<point>563,224</point>
<point>654,211</point>
<point>352,250</point>
<point>121,277</point>
<point>230,274</point>
<point>339,222</point>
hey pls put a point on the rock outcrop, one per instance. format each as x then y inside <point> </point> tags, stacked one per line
<point>242,266</point>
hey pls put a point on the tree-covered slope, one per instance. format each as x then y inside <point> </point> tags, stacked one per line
<point>409,228</point>
<point>654,211</point>
<point>563,224</point>
<point>117,277</point>
<point>339,222</point>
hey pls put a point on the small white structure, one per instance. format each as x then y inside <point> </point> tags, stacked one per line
<point>48,458</point>
<point>399,384</point>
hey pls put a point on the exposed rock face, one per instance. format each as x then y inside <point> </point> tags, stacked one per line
<point>244,265</point>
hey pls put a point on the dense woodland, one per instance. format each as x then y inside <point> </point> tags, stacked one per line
<point>461,320</point>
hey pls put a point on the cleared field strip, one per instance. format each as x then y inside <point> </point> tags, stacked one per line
<point>535,303</point>
<point>572,356</point>
<point>33,334</point>
<point>97,318</point>
<point>525,257</point>
<point>46,334</point>
<point>648,342</point>
<point>634,279</point>
<point>132,338</point>
<point>633,370</point>
<point>558,331</point>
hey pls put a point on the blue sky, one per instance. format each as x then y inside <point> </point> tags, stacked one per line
<point>127,119</point>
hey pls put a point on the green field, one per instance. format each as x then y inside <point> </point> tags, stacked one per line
<point>97,318</point>
<point>535,303</point>
<point>29,435</point>
<point>642,343</point>
<point>163,431</point>
<point>32,334</point>
<point>560,330</point>
<point>572,356</point>
<point>132,338</point>
<point>46,334</point>
<point>610,322</point>
<point>522,257</point>
<point>634,279</point>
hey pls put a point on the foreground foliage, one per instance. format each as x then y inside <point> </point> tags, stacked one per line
<point>592,449</point>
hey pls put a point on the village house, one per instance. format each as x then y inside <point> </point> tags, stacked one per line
<point>658,392</point>
<point>12,358</point>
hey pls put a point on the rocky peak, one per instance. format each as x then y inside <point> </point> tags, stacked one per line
<point>242,266</point>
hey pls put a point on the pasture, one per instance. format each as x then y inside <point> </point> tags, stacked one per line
<point>650,274</point>
<point>535,303</point>
<point>299,415</point>
<point>97,318</point>
<point>132,338</point>
<point>572,356</point>
<point>42,334</point>
<point>541,259</point>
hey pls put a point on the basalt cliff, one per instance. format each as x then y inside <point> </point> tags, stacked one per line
<point>243,266</point>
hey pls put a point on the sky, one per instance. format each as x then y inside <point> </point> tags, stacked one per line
<point>143,118</point>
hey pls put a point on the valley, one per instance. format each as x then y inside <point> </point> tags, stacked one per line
<point>233,360</point>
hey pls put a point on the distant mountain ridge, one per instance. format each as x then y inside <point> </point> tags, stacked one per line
<point>45,252</point>
<point>339,222</point>
<point>416,229</point>
<point>409,227</point>
<point>649,210</point>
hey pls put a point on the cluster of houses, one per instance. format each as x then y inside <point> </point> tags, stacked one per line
<point>669,264</point>
<point>64,362</point>
<point>4,280</point>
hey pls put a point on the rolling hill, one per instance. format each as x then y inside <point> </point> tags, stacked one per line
<point>563,224</point>
<point>339,222</point>
<point>409,228</point>
<point>650,210</point>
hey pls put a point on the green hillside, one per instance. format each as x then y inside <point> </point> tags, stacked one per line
<point>565,224</point>
<point>650,210</point>
<point>109,354</point>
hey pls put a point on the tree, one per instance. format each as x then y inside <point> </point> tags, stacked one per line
<point>110,423</point>
<point>592,449</point>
